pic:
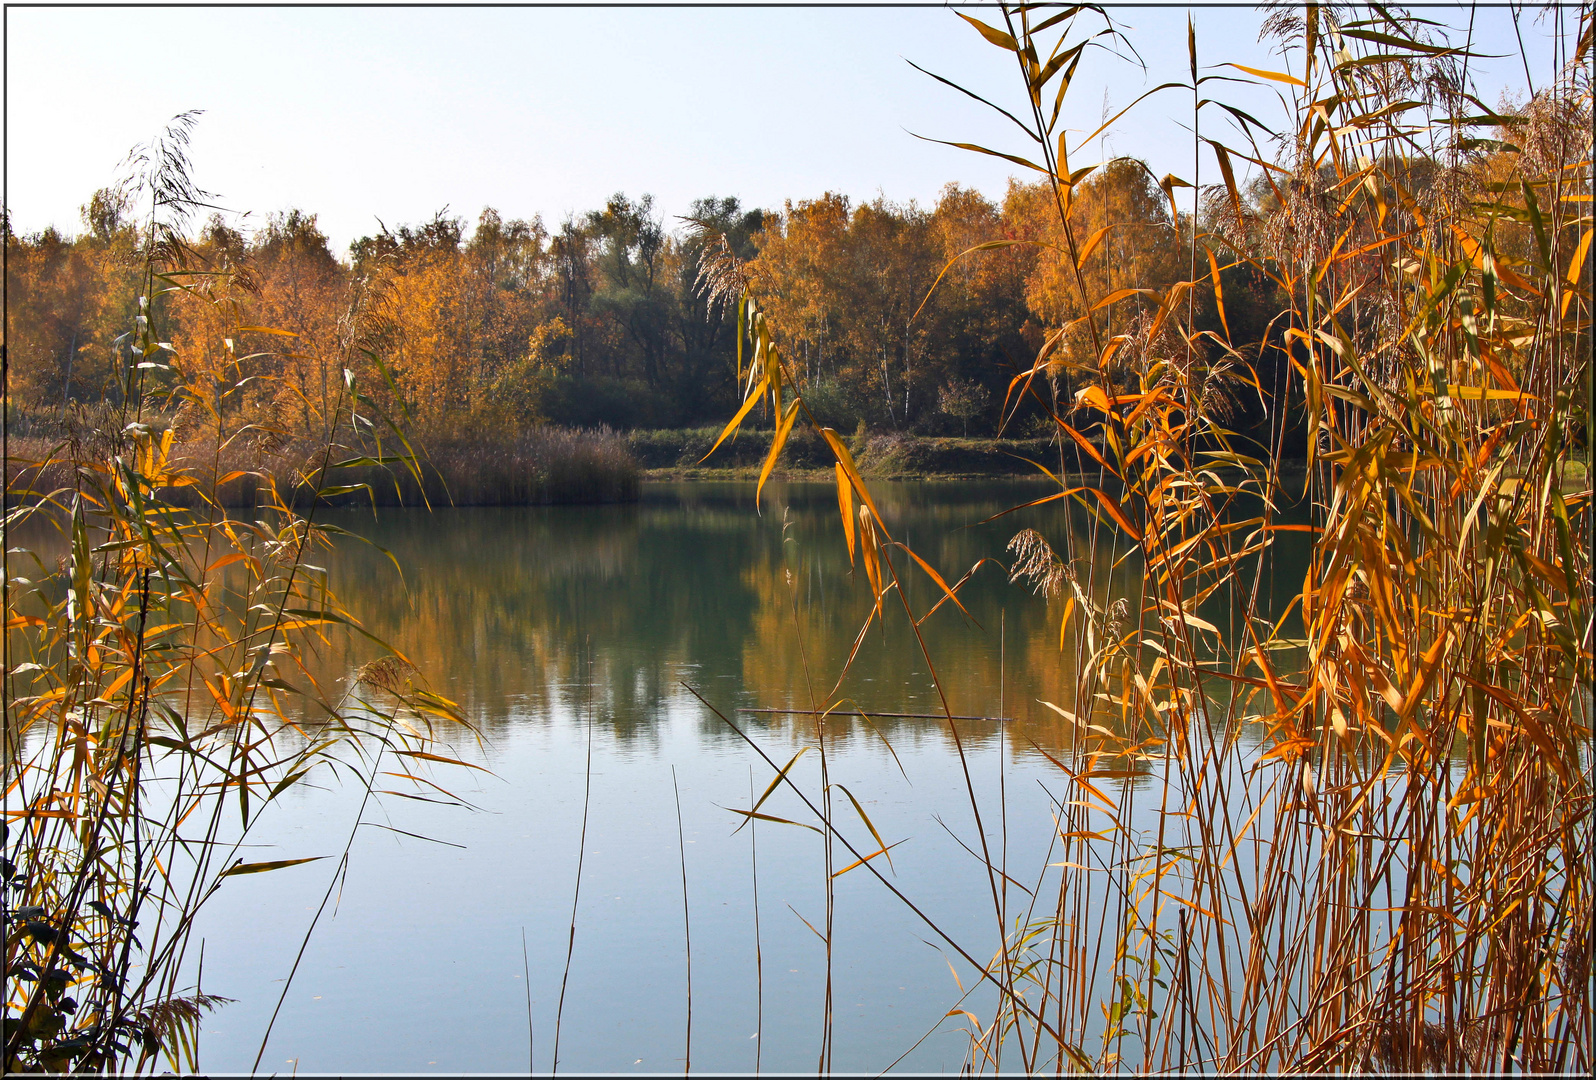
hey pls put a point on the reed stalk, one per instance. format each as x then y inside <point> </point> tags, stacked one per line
<point>576,890</point>
<point>1365,838</point>
<point>157,698</point>
<point>687,926</point>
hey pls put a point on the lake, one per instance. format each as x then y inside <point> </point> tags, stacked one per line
<point>565,632</point>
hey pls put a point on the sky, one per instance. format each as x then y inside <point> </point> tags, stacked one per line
<point>368,115</point>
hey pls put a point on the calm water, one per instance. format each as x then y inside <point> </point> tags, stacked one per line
<point>561,628</point>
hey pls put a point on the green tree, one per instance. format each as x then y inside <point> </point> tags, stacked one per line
<point>634,253</point>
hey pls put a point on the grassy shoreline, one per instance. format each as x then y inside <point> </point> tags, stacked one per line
<point>538,467</point>
<point>559,466</point>
<point>680,454</point>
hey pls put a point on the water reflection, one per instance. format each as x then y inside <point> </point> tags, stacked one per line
<point>520,611</point>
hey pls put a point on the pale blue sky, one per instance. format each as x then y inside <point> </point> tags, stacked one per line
<point>360,113</point>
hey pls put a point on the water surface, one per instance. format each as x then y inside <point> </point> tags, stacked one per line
<point>568,630</point>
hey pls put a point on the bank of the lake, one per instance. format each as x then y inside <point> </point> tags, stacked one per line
<point>538,466</point>
<point>685,454</point>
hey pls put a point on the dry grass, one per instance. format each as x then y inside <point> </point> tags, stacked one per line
<point>542,465</point>
<point>539,466</point>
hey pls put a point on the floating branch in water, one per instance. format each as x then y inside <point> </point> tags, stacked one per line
<point>899,715</point>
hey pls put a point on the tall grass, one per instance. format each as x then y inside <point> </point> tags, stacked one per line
<point>1367,839</point>
<point>536,466</point>
<point>157,698</point>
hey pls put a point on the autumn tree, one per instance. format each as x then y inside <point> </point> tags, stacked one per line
<point>66,300</point>
<point>846,282</point>
<point>979,327</point>
<point>852,287</point>
<point>1123,227</point>
<point>303,289</point>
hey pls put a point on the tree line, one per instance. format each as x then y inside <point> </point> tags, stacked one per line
<point>609,318</point>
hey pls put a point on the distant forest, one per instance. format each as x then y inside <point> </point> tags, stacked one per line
<point>605,320</point>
